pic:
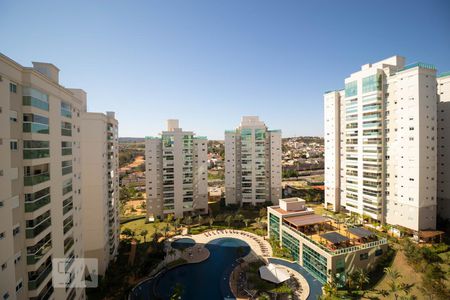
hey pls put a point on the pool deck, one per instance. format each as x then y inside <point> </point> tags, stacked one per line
<point>259,246</point>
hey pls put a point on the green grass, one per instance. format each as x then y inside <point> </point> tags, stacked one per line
<point>138,225</point>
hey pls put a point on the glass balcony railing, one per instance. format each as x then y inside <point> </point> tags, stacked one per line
<point>34,284</point>
<point>35,153</point>
<point>36,204</point>
<point>35,231</point>
<point>66,170</point>
<point>66,151</point>
<point>35,102</point>
<point>36,179</point>
<point>69,245</point>
<point>35,128</point>
<point>66,132</point>
<point>35,257</point>
<point>68,226</point>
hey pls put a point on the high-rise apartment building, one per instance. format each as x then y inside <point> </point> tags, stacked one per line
<point>252,163</point>
<point>176,173</point>
<point>443,161</point>
<point>381,144</point>
<point>100,185</point>
<point>40,181</point>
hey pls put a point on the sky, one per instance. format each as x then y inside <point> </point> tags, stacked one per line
<point>210,62</point>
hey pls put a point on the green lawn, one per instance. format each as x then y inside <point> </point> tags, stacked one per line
<point>139,225</point>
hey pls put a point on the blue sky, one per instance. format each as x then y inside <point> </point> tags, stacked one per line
<point>210,62</point>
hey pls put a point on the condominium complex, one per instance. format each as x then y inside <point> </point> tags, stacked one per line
<point>381,144</point>
<point>252,163</point>
<point>443,161</point>
<point>176,173</point>
<point>40,181</point>
<point>100,185</point>
<point>324,247</point>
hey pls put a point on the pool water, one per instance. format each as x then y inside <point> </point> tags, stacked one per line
<point>208,280</point>
<point>183,243</point>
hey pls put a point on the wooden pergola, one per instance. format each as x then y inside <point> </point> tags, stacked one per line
<point>300,222</point>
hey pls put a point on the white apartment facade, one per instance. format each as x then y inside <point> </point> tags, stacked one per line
<point>443,167</point>
<point>176,173</point>
<point>100,184</point>
<point>252,163</point>
<point>381,144</point>
<point>40,181</point>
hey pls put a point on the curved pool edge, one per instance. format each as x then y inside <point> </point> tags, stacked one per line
<point>232,266</point>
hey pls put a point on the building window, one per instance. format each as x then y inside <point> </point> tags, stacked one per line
<point>35,98</point>
<point>13,145</point>
<point>13,88</point>
<point>378,252</point>
<point>19,286</point>
<point>66,129</point>
<point>16,230</point>
<point>36,149</point>
<point>66,110</point>
<point>351,89</point>
<point>35,124</point>
<point>13,116</point>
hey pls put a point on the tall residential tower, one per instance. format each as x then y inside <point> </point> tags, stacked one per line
<point>443,129</point>
<point>100,182</point>
<point>176,173</point>
<point>40,181</point>
<point>381,144</point>
<point>252,163</point>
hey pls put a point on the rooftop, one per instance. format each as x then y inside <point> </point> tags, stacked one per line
<point>330,235</point>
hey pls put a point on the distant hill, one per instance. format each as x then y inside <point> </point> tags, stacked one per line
<point>125,140</point>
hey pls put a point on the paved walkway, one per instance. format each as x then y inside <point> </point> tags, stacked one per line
<point>260,248</point>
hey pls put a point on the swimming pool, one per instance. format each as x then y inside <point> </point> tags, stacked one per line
<point>207,280</point>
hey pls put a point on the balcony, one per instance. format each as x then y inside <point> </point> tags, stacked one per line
<point>68,243</point>
<point>35,153</point>
<point>44,249</point>
<point>35,102</point>
<point>66,151</point>
<point>36,179</point>
<point>31,233</point>
<point>67,225</point>
<point>66,170</point>
<point>36,204</point>
<point>34,284</point>
<point>35,128</point>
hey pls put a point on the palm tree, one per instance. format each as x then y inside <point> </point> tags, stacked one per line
<point>177,223</point>
<point>394,284</point>
<point>228,220</point>
<point>211,221</point>
<point>188,222</point>
<point>238,218</point>
<point>144,233</point>
<point>329,289</point>
<point>166,230</point>
<point>200,220</point>
<point>128,233</point>
<point>246,222</point>
<point>362,278</point>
